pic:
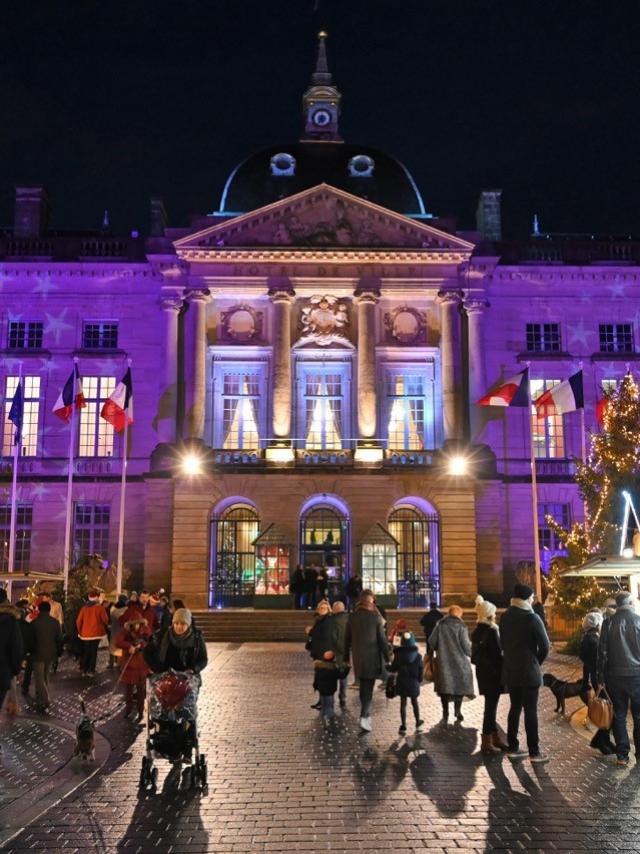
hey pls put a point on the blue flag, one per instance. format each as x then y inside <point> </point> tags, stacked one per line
<point>16,413</point>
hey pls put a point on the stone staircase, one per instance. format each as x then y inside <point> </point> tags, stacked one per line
<point>244,625</point>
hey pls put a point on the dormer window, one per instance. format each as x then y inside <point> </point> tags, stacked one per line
<point>361,166</point>
<point>283,164</point>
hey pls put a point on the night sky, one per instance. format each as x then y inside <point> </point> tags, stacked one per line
<point>107,103</point>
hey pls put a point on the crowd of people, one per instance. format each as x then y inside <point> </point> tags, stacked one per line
<point>507,659</point>
<point>144,633</point>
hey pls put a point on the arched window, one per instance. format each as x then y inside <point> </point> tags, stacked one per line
<point>324,542</point>
<point>233,563</point>
<point>417,532</point>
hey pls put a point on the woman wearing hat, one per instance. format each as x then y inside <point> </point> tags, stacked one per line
<point>132,640</point>
<point>486,655</point>
<point>181,647</point>
<point>588,653</point>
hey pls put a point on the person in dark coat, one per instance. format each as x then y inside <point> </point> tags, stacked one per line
<point>428,621</point>
<point>326,680</point>
<point>340,624</point>
<point>47,648</point>
<point>486,655</point>
<point>367,643</point>
<point>454,677</point>
<point>310,575</point>
<point>619,668</point>
<point>320,638</point>
<point>525,645</point>
<point>588,653</point>
<point>26,631</point>
<point>181,647</point>
<point>11,649</point>
<point>353,590</point>
<point>407,663</point>
<point>297,586</point>
<point>322,585</point>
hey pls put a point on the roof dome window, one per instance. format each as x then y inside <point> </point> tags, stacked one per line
<point>361,166</point>
<point>283,164</point>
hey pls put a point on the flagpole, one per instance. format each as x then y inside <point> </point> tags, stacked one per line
<point>123,487</point>
<point>67,524</point>
<point>534,496</point>
<point>14,487</point>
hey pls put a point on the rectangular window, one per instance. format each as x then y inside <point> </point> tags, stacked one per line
<point>543,337</point>
<point>608,386</point>
<point>100,335</point>
<point>240,399</point>
<point>323,410</point>
<point>548,433</point>
<point>31,391</point>
<point>90,530</point>
<point>24,519</point>
<point>547,538</point>
<point>616,338</point>
<point>25,335</point>
<point>96,434</point>
<point>406,399</point>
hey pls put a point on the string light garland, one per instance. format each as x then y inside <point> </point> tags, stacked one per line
<point>612,465</point>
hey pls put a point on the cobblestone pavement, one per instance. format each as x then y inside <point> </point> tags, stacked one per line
<point>278,782</point>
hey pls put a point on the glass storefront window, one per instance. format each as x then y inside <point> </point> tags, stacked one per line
<point>418,564</point>
<point>380,568</point>
<point>233,574</point>
<point>323,541</point>
<point>272,569</point>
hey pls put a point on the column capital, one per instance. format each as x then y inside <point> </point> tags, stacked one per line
<point>201,295</point>
<point>366,294</point>
<point>281,293</point>
<point>172,303</point>
<point>476,305</point>
<point>449,297</point>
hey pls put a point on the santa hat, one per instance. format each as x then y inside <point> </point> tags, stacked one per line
<point>485,610</point>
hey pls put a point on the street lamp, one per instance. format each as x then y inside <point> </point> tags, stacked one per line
<point>191,464</point>
<point>458,465</point>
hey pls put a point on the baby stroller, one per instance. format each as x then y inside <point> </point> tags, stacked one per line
<point>172,727</point>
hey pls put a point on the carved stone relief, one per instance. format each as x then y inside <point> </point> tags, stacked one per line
<point>405,325</point>
<point>241,324</point>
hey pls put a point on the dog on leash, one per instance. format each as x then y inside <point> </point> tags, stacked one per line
<point>562,691</point>
<point>85,744</point>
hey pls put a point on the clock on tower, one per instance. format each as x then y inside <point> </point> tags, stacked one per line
<point>321,101</point>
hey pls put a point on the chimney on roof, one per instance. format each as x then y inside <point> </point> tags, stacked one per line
<point>158,217</point>
<point>489,216</point>
<point>32,212</point>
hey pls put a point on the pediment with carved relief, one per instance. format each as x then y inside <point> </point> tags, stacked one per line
<point>322,217</point>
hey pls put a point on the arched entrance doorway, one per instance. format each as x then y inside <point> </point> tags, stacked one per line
<point>415,525</point>
<point>324,539</point>
<point>232,573</point>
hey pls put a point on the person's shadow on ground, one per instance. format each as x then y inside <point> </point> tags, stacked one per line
<point>448,793</point>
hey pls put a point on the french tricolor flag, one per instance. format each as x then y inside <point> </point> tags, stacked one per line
<point>118,408</point>
<point>70,396</point>
<point>566,396</point>
<point>512,392</point>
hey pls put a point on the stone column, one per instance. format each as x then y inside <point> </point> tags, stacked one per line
<point>167,407</point>
<point>475,308</point>
<point>366,298</point>
<point>196,347</point>
<point>449,355</point>
<point>282,296</point>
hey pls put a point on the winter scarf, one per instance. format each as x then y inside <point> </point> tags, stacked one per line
<point>521,603</point>
<point>182,642</point>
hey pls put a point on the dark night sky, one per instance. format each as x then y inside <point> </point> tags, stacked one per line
<point>109,102</point>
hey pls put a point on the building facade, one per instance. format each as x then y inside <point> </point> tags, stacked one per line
<point>306,362</point>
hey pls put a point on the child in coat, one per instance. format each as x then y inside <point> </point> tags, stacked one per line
<point>326,678</point>
<point>132,639</point>
<point>407,663</point>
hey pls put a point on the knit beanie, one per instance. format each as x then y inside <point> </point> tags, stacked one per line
<point>408,640</point>
<point>522,591</point>
<point>592,620</point>
<point>182,615</point>
<point>485,609</point>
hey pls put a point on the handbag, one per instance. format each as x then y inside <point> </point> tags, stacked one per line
<point>391,687</point>
<point>600,710</point>
<point>429,667</point>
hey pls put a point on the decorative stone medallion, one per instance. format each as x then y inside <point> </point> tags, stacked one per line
<point>241,323</point>
<point>324,319</point>
<point>405,325</point>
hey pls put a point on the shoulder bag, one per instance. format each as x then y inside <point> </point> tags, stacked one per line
<point>601,709</point>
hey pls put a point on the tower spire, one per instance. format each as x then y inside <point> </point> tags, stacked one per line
<point>321,76</point>
<point>321,101</point>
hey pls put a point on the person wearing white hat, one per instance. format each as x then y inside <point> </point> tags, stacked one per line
<point>486,655</point>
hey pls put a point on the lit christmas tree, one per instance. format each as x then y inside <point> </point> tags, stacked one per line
<point>612,466</point>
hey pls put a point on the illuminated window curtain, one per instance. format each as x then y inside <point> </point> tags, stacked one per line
<point>31,412</point>
<point>548,432</point>
<point>96,434</point>
<point>406,413</point>
<point>240,417</point>
<point>323,411</point>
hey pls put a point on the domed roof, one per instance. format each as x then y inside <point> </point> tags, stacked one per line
<point>282,170</point>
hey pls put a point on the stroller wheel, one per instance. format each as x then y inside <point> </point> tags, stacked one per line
<point>194,776</point>
<point>153,777</point>
<point>202,769</point>
<point>144,773</point>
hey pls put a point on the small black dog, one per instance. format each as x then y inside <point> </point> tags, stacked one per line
<point>563,690</point>
<point>85,746</point>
